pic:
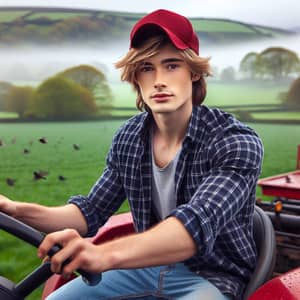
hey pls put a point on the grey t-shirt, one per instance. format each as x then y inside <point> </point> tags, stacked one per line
<point>163,187</point>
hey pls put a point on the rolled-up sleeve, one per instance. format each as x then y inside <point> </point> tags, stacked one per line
<point>235,166</point>
<point>105,197</point>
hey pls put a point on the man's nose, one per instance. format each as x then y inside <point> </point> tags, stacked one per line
<point>159,85</point>
<point>159,80</point>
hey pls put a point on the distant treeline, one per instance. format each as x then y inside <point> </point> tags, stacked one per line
<point>47,31</point>
<point>53,25</point>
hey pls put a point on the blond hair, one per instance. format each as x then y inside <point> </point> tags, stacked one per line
<point>130,62</point>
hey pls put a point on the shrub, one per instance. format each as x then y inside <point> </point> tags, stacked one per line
<point>292,98</point>
<point>58,97</point>
<point>18,99</point>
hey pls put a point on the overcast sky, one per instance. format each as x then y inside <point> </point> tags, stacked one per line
<point>279,13</point>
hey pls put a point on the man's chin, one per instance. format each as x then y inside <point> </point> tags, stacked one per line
<point>162,111</point>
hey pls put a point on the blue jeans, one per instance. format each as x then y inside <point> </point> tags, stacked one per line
<point>163,282</point>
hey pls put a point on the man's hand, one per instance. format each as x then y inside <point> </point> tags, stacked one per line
<point>81,253</point>
<point>7,206</point>
<point>168,242</point>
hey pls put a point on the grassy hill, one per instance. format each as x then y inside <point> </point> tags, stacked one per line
<point>48,25</point>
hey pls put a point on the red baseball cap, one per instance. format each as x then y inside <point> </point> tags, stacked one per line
<point>177,27</point>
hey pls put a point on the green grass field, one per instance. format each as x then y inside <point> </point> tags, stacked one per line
<point>58,157</point>
<point>8,115</point>
<point>220,94</point>
<point>294,115</point>
<point>220,26</point>
<point>9,16</point>
<point>82,168</point>
<point>56,15</point>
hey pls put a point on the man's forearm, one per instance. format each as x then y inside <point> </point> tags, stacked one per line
<point>49,219</point>
<point>168,242</point>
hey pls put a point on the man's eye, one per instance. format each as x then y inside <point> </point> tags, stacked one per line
<point>172,66</point>
<point>145,69</point>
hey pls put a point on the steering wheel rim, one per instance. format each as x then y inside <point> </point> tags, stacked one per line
<point>41,273</point>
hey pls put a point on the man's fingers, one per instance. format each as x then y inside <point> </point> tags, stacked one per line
<point>66,256</point>
<point>56,238</point>
<point>71,243</point>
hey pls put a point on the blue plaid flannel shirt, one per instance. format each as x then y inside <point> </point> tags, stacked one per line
<point>215,182</point>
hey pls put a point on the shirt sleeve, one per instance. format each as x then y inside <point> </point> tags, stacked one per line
<point>226,188</point>
<point>105,197</point>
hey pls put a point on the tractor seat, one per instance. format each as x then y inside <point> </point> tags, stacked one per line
<point>265,241</point>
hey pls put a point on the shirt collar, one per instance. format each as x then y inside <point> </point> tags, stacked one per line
<point>196,127</point>
<point>144,126</point>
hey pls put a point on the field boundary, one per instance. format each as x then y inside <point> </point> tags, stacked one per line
<point>243,113</point>
<point>116,118</point>
<point>45,120</point>
<point>272,121</point>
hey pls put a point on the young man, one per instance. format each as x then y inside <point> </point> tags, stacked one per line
<point>189,173</point>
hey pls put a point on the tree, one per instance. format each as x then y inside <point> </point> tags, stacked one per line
<point>5,88</point>
<point>79,28</point>
<point>279,62</point>
<point>228,74</point>
<point>249,65</point>
<point>92,79</point>
<point>18,99</point>
<point>292,97</point>
<point>85,75</point>
<point>58,97</point>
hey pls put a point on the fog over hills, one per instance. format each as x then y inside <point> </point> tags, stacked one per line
<point>35,62</point>
<point>295,28</point>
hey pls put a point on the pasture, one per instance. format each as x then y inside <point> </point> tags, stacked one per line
<point>58,157</point>
<point>218,94</point>
<point>22,154</point>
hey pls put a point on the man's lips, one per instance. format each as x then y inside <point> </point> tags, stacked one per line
<point>161,96</point>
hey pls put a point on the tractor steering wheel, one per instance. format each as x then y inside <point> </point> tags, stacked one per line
<point>11,291</point>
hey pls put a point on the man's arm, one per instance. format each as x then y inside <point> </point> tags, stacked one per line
<point>168,242</point>
<point>43,218</point>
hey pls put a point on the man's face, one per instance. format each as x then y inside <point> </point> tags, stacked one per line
<point>165,81</point>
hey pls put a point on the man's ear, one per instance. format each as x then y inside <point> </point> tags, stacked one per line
<point>195,77</point>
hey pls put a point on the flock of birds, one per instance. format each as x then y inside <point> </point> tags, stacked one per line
<point>38,174</point>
